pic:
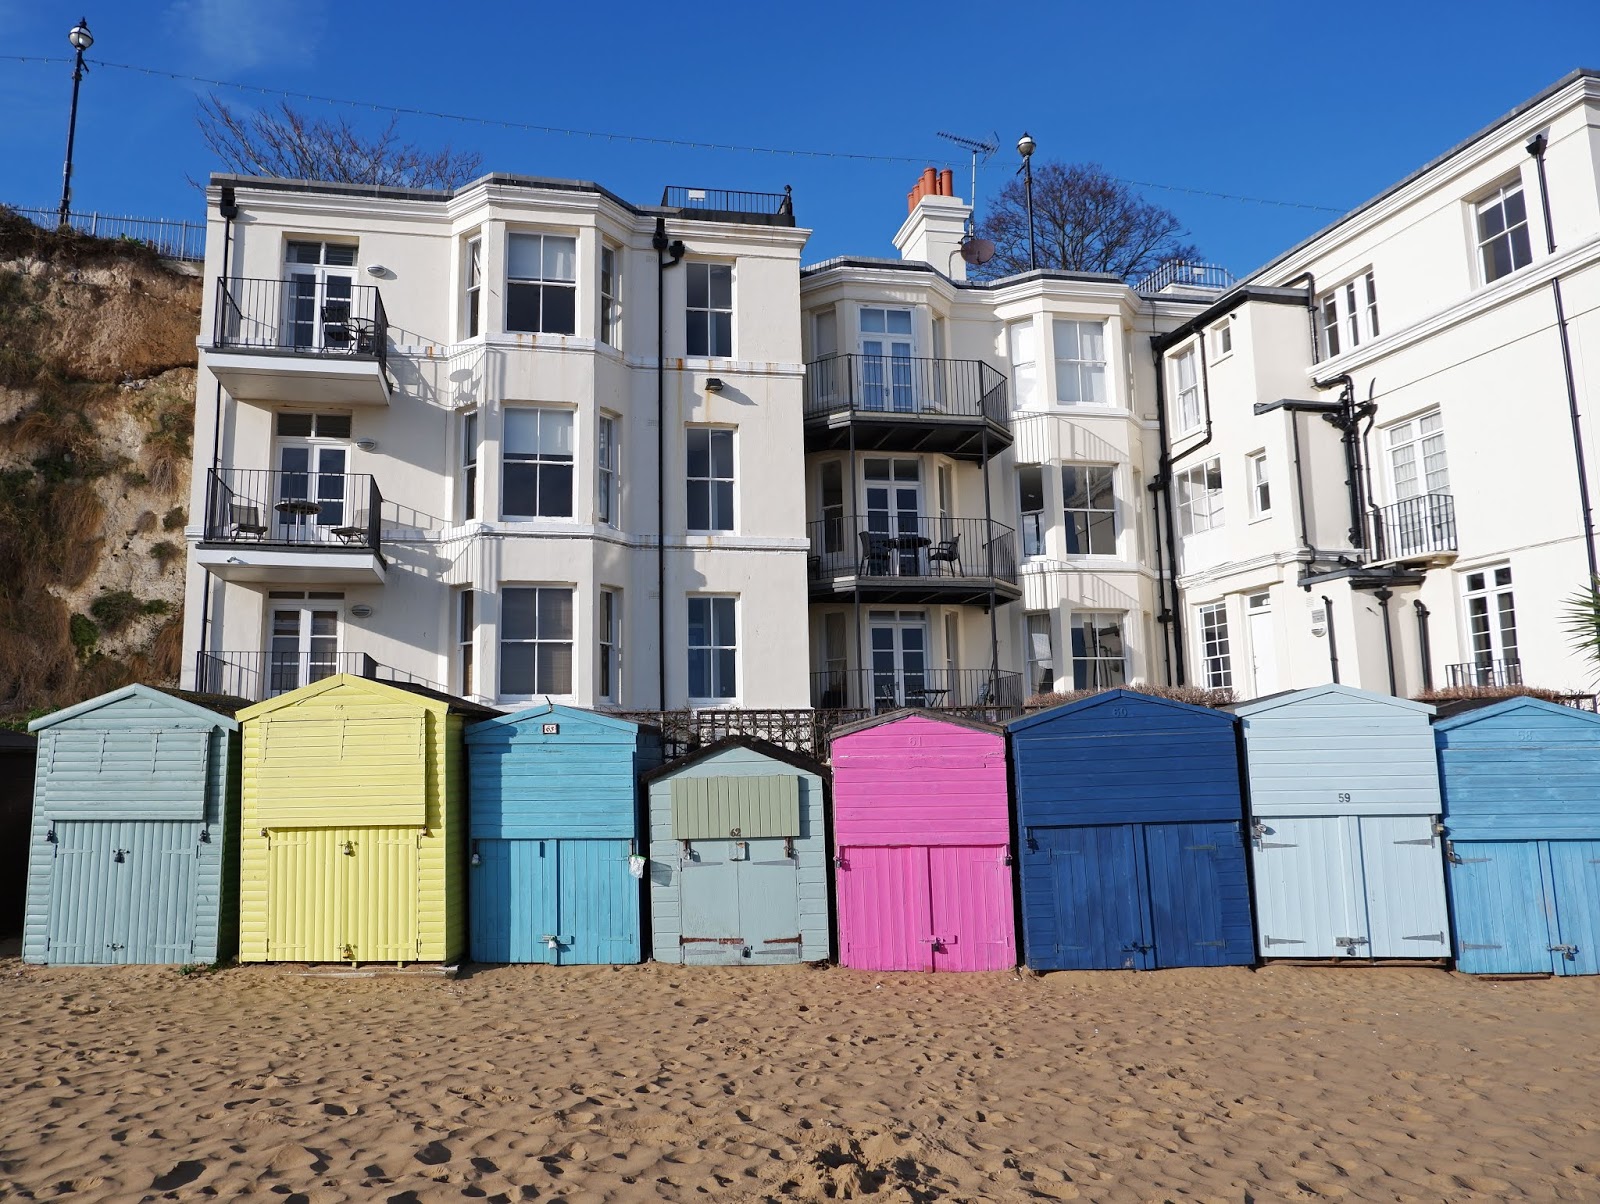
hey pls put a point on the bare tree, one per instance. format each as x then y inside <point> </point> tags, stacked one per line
<point>285,143</point>
<point>1084,221</point>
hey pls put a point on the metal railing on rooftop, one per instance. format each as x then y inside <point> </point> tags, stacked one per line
<point>762,208</point>
<point>168,238</point>
<point>905,386</point>
<point>1185,275</point>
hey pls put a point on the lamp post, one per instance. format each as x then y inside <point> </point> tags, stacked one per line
<point>1025,148</point>
<point>81,40</point>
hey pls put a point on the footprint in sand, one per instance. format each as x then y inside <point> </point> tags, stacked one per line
<point>181,1175</point>
<point>435,1153</point>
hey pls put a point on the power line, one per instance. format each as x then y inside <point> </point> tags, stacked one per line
<point>611,135</point>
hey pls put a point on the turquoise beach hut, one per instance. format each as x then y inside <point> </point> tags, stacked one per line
<point>134,853</point>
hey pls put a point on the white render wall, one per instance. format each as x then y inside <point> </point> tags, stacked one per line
<point>440,375</point>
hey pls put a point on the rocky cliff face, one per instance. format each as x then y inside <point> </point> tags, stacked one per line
<point>97,359</point>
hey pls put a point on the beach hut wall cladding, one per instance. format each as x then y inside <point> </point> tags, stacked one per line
<point>738,856</point>
<point>18,753</point>
<point>554,823</point>
<point>1130,831</point>
<point>1344,803</point>
<point>922,834</point>
<point>353,825</point>
<point>1521,782</point>
<point>133,851</point>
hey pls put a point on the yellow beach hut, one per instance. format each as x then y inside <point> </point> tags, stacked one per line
<point>353,833</point>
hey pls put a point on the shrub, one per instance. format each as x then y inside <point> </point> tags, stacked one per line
<point>134,479</point>
<point>1198,696</point>
<point>85,634</point>
<point>1494,693</point>
<point>164,553</point>
<point>174,519</point>
<point>116,609</point>
<point>146,522</point>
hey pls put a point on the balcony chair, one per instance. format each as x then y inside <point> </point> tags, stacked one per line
<point>877,552</point>
<point>948,552</point>
<point>354,534</point>
<point>337,334</point>
<point>245,519</point>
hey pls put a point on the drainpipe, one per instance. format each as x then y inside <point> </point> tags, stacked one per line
<point>668,254</point>
<point>1164,615</point>
<point>1536,148</point>
<point>988,528</point>
<point>1383,594</point>
<point>1348,422</point>
<point>1311,308</point>
<point>1163,482</point>
<point>1424,644</point>
<point>1169,459</point>
<point>228,209</point>
<point>1333,640</point>
<point>1299,481</point>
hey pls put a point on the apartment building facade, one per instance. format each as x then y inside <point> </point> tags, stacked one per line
<point>455,437</point>
<point>521,440</point>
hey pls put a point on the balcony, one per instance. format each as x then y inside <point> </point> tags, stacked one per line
<point>912,558</point>
<point>302,340</point>
<point>1485,673</point>
<point>889,690</point>
<point>721,205</point>
<point>1178,277</point>
<point>308,528</point>
<point>901,404</point>
<point>261,675</point>
<point>1419,529</point>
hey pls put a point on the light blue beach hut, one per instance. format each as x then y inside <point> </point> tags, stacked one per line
<point>1344,801</point>
<point>738,856</point>
<point>553,823</point>
<point>1521,781</point>
<point>134,852</point>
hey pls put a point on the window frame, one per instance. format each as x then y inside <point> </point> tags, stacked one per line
<point>1040,535</point>
<point>608,644</point>
<point>1347,314</point>
<point>610,316</point>
<point>1416,444</point>
<point>466,633</point>
<point>1214,512</point>
<point>1215,645</point>
<point>539,460</point>
<point>711,351</point>
<point>607,497</point>
<point>1033,663</point>
<point>1186,396</point>
<point>1079,524</point>
<point>472,288</point>
<point>1498,197</point>
<point>712,649</point>
<point>1222,335</point>
<point>1088,624</point>
<point>1259,478</point>
<point>541,282</point>
<point>570,641</point>
<point>1494,614</point>
<point>1024,373</point>
<point>1074,367</point>
<point>711,483</point>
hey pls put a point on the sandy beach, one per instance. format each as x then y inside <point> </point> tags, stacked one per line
<point>652,1082</point>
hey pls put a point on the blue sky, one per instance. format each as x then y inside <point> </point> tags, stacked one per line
<point>1290,102</point>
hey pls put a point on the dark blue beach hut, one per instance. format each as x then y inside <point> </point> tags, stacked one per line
<point>17,753</point>
<point>1521,784</point>
<point>134,856</point>
<point>1130,825</point>
<point>554,824</point>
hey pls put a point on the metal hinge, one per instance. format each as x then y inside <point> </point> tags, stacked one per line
<point>1270,941</point>
<point>1427,936</point>
<point>1428,840</point>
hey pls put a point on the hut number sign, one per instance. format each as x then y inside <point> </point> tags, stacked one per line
<point>552,729</point>
<point>1343,796</point>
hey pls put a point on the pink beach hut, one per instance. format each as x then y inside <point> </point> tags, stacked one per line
<point>922,838</point>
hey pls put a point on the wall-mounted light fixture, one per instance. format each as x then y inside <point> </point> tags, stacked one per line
<point>361,611</point>
<point>376,269</point>
<point>714,384</point>
<point>367,445</point>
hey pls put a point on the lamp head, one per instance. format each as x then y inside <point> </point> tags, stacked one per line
<point>1026,146</point>
<point>80,37</point>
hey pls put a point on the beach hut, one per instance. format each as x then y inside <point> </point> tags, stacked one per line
<point>17,753</point>
<point>1130,826</point>
<point>134,849</point>
<point>1344,803</point>
<point>354,845</point>
<point>922,833</point>
<point>1521,783</point>
<point>738,856</point>
<point>554,825</point>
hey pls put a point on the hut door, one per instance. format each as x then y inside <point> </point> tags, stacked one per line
<point>769,902</point>
<point>1099,916</point>
<point>87,895</point>
<point>307,889</point>
<point>1309,892</point>
<point>380,888</point>
<point>597,904</point>
<point>708,890</point>
<point>973,928</point>
<point>885,912</point>
<point>160,893</point>
<point>1199,905</point>
<point>1500,909</point>
<point>1401,863</point>
<point>1575,886</point>
<point>122,893</point>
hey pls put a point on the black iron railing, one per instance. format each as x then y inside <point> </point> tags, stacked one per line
<point>889,688</point>
<point>306,509</point>
<point>922,546</point>
<point>761,208</point>
<point>305,316</point>
<point>1191,275</point>
<point>905,385</point>
<point>1418,526</point>
<point>259,675</point>
<point>1485,673</point>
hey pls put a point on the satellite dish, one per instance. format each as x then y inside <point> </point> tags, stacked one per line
<point>976,251</point>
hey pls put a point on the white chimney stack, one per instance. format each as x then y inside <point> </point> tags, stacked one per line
<point>937,222</point>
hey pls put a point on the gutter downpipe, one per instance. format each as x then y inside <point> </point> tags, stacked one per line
<point>1163,483</point>
<point>1164,616</point>
<point>1536,147</point>
<point>1333,639</point>
<point>1424,643</point>
<point>1383,594</point>
<point>668,254</point>
<point>228,209</point>
<point>1311,309</point>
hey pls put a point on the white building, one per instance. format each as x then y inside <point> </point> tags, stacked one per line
<point>428,434</point>
<point>436,422</point>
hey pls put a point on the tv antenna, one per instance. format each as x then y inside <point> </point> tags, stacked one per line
<point>976,251</point>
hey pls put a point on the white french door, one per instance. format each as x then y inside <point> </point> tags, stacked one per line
<point>319,291</point>
<point>893,489</point>
<point>312,497</point>
<point>899,641</point>
<point>303,647</point>
<point>887,348</point>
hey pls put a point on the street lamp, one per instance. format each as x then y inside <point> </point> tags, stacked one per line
<point>81,40</point>
<point>1025,148</point>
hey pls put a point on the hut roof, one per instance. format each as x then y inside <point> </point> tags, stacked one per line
<point>766,748</point>
<point>220,709</point>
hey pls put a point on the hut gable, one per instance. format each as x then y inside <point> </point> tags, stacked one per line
<point>913,777</point>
